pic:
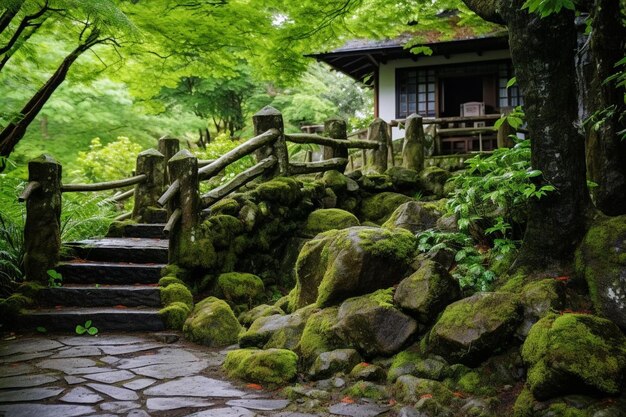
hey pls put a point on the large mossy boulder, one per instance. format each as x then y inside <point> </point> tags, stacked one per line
<point>339,264</point>
<point>574,353</point>
<point>473,328</point>
<point>601,259</point>
<point>271,366</point>
<point>328,363</point>
<point>239,288</point>
<point>373,326</point>
<point>539,299</point>
<point>416,216</point>
<point>379,207</point>
<point>264,310</point>
<point>426,292</point>
<point>276,331</point>
<point>212,323</point>
<point>403,178</point>
<point>282,190</point>
<point>414,362</point>
<point>323,220</point>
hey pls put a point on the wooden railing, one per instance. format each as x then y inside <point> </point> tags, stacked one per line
<point>167,180</point>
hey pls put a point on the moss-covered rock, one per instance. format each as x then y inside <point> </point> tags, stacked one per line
<point>323,220</point>
<point>372,325</point>
<point>176,293</point>
<point>248,317</point>
<point>426,292</point>
<point>335,180</point>
<point>415,216</point>
<point>367,389</point>
<point>175,314</point>
<point>118,228</point>
<point>342,263</point>
<point>540,298</point>
<point>228,206</point>
<point>414,362</point>
<point>403,178</point>
<point>473,328</point>
<point>239,288</point>
<point>379,207</point>
<point>409,388</point>
<point>329,363</point>
<point>368,372</point>
<point>574,353</point>
<point>272,366</point>
<point>278,331</point>
<point>282,190</point>
<point>601,260</point>
<point>375,182</point>
<point>170,279</point>
<point>433,180</point>
<point>222,230</point>
<point>212,323</point>
<point>318,335</point>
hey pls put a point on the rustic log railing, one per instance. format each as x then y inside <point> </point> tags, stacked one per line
<point>167,180</point>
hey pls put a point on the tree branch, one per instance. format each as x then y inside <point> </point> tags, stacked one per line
<point>486,9</point>
<point>26,22</point>
<point>8,16</point>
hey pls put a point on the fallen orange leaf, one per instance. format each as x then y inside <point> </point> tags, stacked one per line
<point>347,400</point>
<point>254,386</point>
<point>426,396</point>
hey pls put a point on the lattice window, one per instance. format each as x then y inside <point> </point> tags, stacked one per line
<point>416,92</point>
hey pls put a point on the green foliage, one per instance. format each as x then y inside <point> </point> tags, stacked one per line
<point>86,328</point>
<point>109,162</point>
<point>495,190</point>
<point>547,7</point>
<point>471,265</point>
<point>12,249</point>
<point>222,144</point>
<point>55,279</point>
<point>85,216</point>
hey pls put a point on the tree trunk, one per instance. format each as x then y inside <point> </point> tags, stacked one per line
<point>606,152</point>
<point>14,131</point>
<point>8,15</point>
<point>542,50</point>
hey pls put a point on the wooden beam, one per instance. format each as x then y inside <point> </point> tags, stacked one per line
<point>297,168</point>
<point>101,186</point>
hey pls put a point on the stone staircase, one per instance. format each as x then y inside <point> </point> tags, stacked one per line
<point>111,281</point>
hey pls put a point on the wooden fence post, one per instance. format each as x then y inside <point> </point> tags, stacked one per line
<point>151,163</point>
<point>377,158</point>
<point>413,146</point>
<point>335,128</point>
<point>183,167</point>
<point>270,118</point>
<point>168,146</point>
<point>42,232</point>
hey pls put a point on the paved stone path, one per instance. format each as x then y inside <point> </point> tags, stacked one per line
<point>133,376</point>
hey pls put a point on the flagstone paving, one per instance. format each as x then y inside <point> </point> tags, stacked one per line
<point>136,376</point>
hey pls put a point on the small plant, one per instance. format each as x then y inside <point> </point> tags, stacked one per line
<point>41,329</point>
<point>86,328</point>
<point>55,279</point>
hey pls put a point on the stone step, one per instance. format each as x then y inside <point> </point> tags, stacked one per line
<point>65,319</point>
<point>85,272</point>
<point>101,296</point>
<point>142,230</point>
<point>112,249</point>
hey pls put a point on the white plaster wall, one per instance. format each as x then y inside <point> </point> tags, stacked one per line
<point>387,77</point>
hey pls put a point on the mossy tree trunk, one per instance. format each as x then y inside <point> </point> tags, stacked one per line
<point>542,50</point>
<point>606,151</point>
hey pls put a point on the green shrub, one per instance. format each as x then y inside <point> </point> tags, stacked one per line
<point>12,215</point>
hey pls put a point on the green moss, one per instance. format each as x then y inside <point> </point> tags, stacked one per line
<point>174,270</point>
<point>195,250</point>
<point>383,297</point>
<point>169,279</point>
<point>380,206</point>
<point>174,315</point>
<point>323,220</point>
<point>574,350</point>
<point>30,289</point>
<point>272,366</point>
<point>239,288</point>
<point>398,245</point>
<point>226,206</point>
<point>283,190</point>
<point>490,307</point>
<point>365,389</point>
<point>212,323</point>
<point>222,229</point>
<point>563,410</point>
<point>335,180</point>
<point>118,229</point>
<point>176,293</point>
<point>248,317</point>
<point>318,335</point>
<point>514,283</point>
<point>524,404</point>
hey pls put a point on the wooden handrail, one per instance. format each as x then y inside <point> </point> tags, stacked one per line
<point>171,222</point>
<point>102,186</point>
<point>239,152</point>
<point>320,166</point>
<point>240,180</point>
<point>456,119</point>
<point>28,190</point>
<point>169,193</point>
<point>124,216</point>
<point>460,131</point>
<point>205,162</point>
<point>334,143</point>
<point>121,197</point>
